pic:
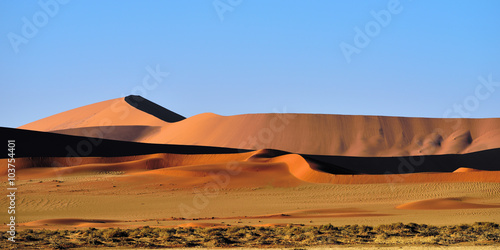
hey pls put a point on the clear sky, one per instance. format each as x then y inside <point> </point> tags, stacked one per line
<point>398,58</point>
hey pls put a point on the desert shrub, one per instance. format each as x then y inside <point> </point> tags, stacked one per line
<point>30,237</point>
<point>490,237</point>
<point>219,240</point>
<point>93,241</point>
<point>233,230</point>
<point>114,233</point>
<point>394,227</point>
<point>166,232</point>
<point>396,234</point>
<point>185,230</point>
<point>143,232</point>
<point>91,232</point>
<point>59,243</point>
<point>429,231</point>
<point>204,231</point>
<point>351,229</point>
<point>481,227</point>
<point>296,230</point>
<point>146,231</point>
<point>263,229</point>
<point>328,227</point>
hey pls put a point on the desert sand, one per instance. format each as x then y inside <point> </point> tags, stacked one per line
<point>256,169</point>
<point>317,134</point>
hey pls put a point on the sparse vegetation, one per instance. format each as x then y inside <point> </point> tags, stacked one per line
<point>479,233</point>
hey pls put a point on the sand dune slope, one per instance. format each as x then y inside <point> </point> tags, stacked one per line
<point>336,134</point>
<point>236,170</point>
<point>347,135</point>
<point>444,203</point>
<point>72,222</point>
<point>115,112</point>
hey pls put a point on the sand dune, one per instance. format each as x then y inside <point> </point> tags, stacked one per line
<point>42,167</point>
<point>444,203</point>
<point>202,224</point>
<point>466,170</point>
<point>337,134</point>
<point>194,165</point>
<point>205,222</point>
<point>251,169</point>
<point>348,135</point>
<point>121,133</point>
<point>129,158</point>
<point>71,222</point>
<point>115,112</point>
<point>323,213</point>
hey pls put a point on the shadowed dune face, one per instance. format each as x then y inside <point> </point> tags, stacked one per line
<point>342,135</point>
<point>153,109</point>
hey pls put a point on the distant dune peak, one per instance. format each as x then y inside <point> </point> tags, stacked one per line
<point>153,109</point>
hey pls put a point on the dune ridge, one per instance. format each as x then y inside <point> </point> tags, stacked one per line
<point>153,109</point>
<point>317,134</point>
<point>114,112</point>
<point>343,135</point>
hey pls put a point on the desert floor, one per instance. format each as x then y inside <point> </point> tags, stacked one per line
<point>113,200</point>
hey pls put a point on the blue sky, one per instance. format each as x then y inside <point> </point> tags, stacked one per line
<point>256,56</point>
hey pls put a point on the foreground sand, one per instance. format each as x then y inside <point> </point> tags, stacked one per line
<point>127,200</point>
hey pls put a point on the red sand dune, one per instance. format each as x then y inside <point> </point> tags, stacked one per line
<point>342,135</point>
<point>252,169</point>
<point>443,203</point>
<point>466,170</point>
<point>115,112</point>
<point>202,224</point>
<point>70,222</point>
<point>348,135</point>
<point>323,213</point>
